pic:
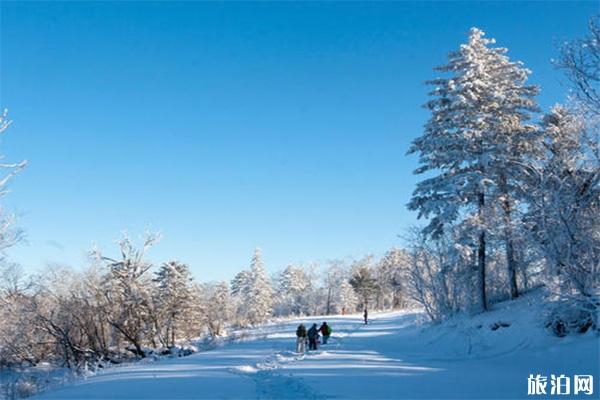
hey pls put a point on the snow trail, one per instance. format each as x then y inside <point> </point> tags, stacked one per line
<point>392,357</point>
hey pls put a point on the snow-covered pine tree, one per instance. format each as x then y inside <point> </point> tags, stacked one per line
<point>259,304</point>
<point>293,291</point>
<point>363,282</point>
<point>240,284</point>
<point>476,133</point>
<point>173,299</point>
<point>240,291</point>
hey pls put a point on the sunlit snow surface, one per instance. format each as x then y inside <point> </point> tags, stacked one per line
<point>393,357</point>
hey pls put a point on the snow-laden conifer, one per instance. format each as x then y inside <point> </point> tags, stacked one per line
<point>257,292</point>
<point>173,299</point>
<point>475,137</point>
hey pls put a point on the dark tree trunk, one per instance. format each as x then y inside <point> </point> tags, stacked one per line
<point>481,257</point>
<point>328,310</point>
<point>511,261</point>
<point>138,350</point>
<point>512,269</point>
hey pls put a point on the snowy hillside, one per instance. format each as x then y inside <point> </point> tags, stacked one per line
<point>489,356</point>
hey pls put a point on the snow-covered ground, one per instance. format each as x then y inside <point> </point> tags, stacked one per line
<point>393,357</point>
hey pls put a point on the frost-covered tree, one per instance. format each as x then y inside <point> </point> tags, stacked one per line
<point>346,299</point>
<point>217,307</point>
<point>172,300</point>
<point>240,291</point>
<point>438,278</point>
<point>126,290</point>
<point>334,276</point>
<point>581,60</point>
<point>9,233</point>
<point>476,134</point>
<point>294,290</point>
<point>240,284</point>
<point>19,338</point>
<point>363,282</point>
<point>565,215</point>
<point>16,333</point>
<point>259,296</point>
<point>390,274</point>
<point>566,201</point>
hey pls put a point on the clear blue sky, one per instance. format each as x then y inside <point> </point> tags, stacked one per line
<point>229,126</point>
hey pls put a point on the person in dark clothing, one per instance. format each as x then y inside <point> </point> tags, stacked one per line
<point>366,314</point>
<point>313,336</point>
<point>325,331</point>
<point>301,339</point>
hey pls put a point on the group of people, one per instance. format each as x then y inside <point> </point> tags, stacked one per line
<point>311,336</point>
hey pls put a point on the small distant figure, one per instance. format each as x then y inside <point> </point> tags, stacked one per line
<point>313,336</point>
<point>366,315</point>
<point>325,331</point>
<point>301,339</point>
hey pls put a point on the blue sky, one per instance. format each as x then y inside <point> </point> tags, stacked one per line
<point>234,125</point>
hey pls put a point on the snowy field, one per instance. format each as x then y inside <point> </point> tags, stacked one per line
<point>393,357</point>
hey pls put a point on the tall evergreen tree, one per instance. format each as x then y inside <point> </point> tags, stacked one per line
<point>240,284</point>
<point>293,290</point>
<point>173,297</point>
<point>260,291</point>
<point>364,284</point>
<point>475,135</point>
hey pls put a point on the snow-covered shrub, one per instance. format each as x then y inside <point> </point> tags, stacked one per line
<point>432,281</point>
<point>19,387</point>
<point>574,315</point>
<point>217,307</point>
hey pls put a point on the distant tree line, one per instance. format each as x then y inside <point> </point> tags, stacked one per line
<point>125,307</point>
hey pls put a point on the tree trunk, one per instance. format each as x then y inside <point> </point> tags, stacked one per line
<point>511,261</point>
<point>138,350</point>
<point>481,257</point>
<point>397,302</point>
<point>173,336</point>
<point>512,268</point>
<point>524,278</point>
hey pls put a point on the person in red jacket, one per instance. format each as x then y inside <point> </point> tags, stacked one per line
<point>325,331</point>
